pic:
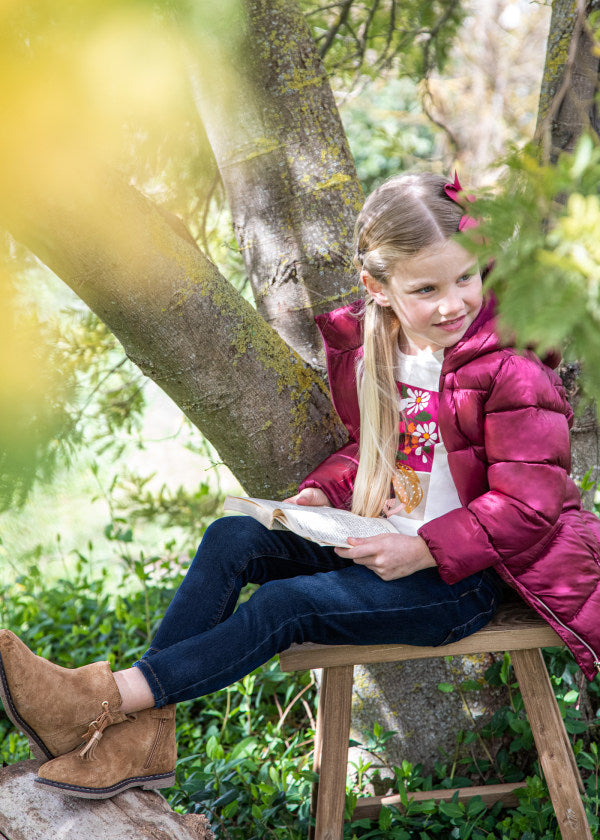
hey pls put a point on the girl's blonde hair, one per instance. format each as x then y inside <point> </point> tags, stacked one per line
<point>403,216</point>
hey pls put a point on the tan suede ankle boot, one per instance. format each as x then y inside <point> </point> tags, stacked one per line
<point>139,752</point>
<point>53,706</point>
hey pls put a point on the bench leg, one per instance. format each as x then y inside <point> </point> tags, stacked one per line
<point>554,750</point>
<point>331,752</point>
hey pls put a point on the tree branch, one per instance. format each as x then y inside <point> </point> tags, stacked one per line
<point>186,328</point>
<point>335,28</point>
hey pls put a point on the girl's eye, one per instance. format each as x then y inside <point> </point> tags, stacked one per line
<point>465,278</point>
<point>424,291</point>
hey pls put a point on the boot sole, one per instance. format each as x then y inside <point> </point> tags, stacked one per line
<point>36,745</point>
<point>162,780</point>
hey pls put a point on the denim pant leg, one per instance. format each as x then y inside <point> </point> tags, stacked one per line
<point>347,605</point>
<point>234,551</point>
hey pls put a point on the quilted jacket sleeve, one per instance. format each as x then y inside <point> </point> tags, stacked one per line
<point>342,338</point>
<point>335,476</point>
<point>527,458</point>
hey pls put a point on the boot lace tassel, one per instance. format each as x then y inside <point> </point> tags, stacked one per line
<point>94,733</point>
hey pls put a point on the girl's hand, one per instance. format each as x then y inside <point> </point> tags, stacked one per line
<point>390,556</point>
<point>312,496</point>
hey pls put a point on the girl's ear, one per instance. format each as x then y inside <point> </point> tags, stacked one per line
<point>375,288</point>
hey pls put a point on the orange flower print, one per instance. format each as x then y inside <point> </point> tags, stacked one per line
<point>408,438</point>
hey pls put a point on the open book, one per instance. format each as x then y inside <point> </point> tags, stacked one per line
<point>323,525</point>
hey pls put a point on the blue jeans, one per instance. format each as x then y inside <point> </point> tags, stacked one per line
<point>307,594</point>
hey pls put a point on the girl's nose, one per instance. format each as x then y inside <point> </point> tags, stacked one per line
<point>451,304</point>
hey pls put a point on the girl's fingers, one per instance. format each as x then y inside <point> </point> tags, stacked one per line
<point>363,547</point>
<point>350,551</point>
<point>311,496</point>
<point>360,551</point>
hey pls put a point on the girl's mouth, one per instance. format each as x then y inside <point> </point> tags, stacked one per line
<point>452,326</point>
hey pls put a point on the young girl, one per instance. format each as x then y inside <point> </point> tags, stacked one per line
<point>464,444</point>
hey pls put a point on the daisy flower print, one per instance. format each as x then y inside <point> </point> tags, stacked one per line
<point>415,401</point>
<point>427,438</point>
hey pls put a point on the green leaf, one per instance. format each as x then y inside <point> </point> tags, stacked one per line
<point>583,155</point>
<point>504,670</point>
<point>571,696</point>
<point>245,747</point>
<point>385,819</point>
<point>214,749</point>
<point>586,761</point>
<point>226,798</point>
<point>452,809</point>
<point>475,806</point>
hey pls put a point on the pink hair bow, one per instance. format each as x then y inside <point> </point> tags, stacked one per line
<point>456,193</point>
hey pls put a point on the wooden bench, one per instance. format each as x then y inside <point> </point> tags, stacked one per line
<point>515,628</point>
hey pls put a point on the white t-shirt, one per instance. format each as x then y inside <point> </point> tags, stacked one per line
<point>422,460</point>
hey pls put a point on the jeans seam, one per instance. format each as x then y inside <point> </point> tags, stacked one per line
<point>146,664</point>
<point>466,625</point>
<point>490,611</point>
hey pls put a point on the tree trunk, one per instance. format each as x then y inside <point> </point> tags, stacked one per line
<point>570,82</point>
<point>290,180</point>
<point>567,108</point>
<point>29,811</point>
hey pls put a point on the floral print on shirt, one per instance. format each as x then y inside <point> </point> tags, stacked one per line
<point>415,400</point>
<point>419,431</point>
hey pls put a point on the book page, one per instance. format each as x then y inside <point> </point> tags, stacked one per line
<point>330,526</point>
<point>321,524</point>
<point>261,509</point>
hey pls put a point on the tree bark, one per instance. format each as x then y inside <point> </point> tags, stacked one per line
<point>288,173</point>
<point>567,108</point>
<point>570,82</point>
<point>267,412</point>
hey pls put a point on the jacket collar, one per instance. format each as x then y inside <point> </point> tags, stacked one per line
<point>480,338</point>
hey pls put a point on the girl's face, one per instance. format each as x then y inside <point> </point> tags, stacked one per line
<point>437,294</point>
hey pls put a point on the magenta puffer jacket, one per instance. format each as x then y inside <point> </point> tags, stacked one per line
<point>505,423</point>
